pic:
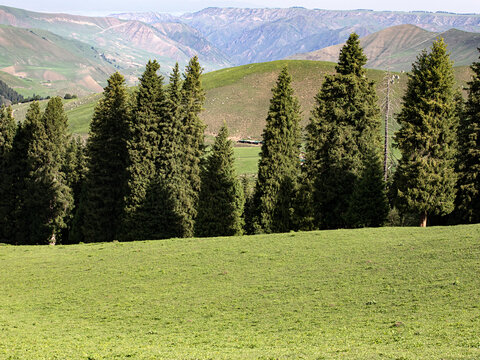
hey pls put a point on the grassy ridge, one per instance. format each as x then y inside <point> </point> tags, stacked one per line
<point>391,293</point>
<point>241,95</point>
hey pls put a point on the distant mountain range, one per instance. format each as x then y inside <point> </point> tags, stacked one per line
<point>397,47</point>
<point>258,35</point>
<point>127,44</point>
<point>61,52</point>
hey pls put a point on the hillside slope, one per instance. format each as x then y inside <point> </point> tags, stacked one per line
<point>397,47</point>
<point>126,44</point>
<point>241,95</point>
<point>60,65</point>
<point>389,293</point>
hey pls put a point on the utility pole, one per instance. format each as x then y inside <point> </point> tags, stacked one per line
<point>390,80</point>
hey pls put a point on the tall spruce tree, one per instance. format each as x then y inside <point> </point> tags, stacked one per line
<point>142,149</point>
<point>7,198</point>
<point>468,198</point>
<point>165,202</point>
<point>75,169</point>
<point>425,178</point>
<point>24,136</point>
<point>160,212</point>
<point>102,202</point>
<point>344,131</point>
<point>46,199</point>
<point>279,163</point>
<point>192,143</point>
<point>221,201</point>
<point>369,203</point>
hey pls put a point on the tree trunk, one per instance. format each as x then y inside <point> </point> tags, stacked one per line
<point>423,219</point>
<point>53,239</point>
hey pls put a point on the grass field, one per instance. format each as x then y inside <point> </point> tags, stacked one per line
<point>390,293</point>
<point>246,159</point>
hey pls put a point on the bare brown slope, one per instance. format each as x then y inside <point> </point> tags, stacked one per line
<point>397,47</point>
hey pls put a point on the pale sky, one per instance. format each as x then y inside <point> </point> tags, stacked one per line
<point>103,7</point>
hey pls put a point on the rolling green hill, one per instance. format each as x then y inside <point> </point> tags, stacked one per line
<point>397,47</point>
<point>389,293</point>
<point>241,95</point>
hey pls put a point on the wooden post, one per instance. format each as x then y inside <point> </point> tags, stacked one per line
<point>423,219</point>
<point>387,114</point>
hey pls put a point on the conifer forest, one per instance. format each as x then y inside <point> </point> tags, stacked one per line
<point>146,172</point>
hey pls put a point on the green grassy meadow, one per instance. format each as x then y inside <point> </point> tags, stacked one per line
<point>246,159</point>
<point>388,293</point>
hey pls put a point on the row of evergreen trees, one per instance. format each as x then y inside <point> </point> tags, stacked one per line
<point>144,175</point>
<point>8,95</point>
<point>340,183</point>
<point>138,177</point>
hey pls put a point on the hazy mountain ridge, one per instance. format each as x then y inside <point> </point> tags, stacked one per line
<point>221,37</point>
<point>254,35</point>
<point>397,47</point>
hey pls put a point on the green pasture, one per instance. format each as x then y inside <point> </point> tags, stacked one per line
<point>389,293</point>
<point>246,159</point>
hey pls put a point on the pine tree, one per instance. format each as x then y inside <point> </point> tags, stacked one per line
<point>344,127</point>
<point>24,137</point>
<point>468,198</point>
<point>165,195</point>
<point>221,202</point>
<point>46,199</point>
<point>160,212</point>
<point>369,204</point>
<point>192,144</point>
<point>75,169</point>
<point>142,148</point>
<point>279,163</point>
<point>248,188</point>
<point>425,177</point>
<point>7,199</point>
<point>102,203</point>
<point>170,128</point>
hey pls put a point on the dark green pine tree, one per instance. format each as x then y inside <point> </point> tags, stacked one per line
<point>75,169</point>
<point>7,198</point>
<point>279,163</point>
<point>165,200</point>
<point>142,149</point>
<point>192,144</point>
<point>220,205</point>
<point>425,178</point>
<point>344,127</point>
<point>468,198</point>
<point>102,202</point>
<point>159,213</point>
<point>369,203</point>
<point>46,199</point>
<point>25,134</point>
<point>248,187</point>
